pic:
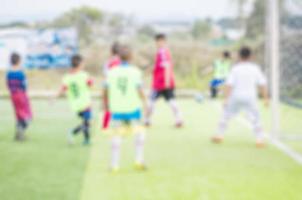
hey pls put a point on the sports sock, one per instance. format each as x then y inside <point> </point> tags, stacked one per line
<point>222,126</point>
<point>78,129</point>
<point>86,130</point>
<point>115,151</point>
<point>139,147</point>
<point>175,110</point>
<point>150,109</point>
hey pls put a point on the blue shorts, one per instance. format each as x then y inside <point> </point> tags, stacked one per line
<point>86,114</point>
<point>132,116</point>
<point>217,82</point>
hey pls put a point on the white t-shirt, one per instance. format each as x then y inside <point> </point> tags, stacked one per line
<point>244,78</point>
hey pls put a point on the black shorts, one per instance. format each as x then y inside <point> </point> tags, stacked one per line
<point>167,94</point>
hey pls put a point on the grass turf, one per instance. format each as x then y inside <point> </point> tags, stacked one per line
<point>183,163</point>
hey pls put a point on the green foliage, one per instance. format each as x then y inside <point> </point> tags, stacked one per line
<point>83,18</point>
<point>146,31</point>
<point>256,21</point>
<point>201,29</point>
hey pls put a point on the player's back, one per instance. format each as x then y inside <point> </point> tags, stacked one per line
<point>123,83</point>
<point>162,60</point>
<point>245,77</point>
<point>78,90</point>
<point>16,81</point>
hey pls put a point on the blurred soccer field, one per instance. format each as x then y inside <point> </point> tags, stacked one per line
<point>183,163</point>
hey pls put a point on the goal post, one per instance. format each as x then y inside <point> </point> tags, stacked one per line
<point>274,34</point>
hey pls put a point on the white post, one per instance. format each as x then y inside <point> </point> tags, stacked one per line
<point>275,58</point>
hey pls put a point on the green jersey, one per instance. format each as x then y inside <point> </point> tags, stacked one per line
<point>78,90</point>
<point>123,83</point>
<point>221,69</point>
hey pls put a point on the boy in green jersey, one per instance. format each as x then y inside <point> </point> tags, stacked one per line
<point>221,71</point>
<point>76,85</point>
<point>124,97</point>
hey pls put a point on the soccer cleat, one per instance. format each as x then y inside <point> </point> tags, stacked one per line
<point>147,124</point>
<point>140,167</point>
<point>86,142</point>
<point>217,139</point>
<point>260,143</point>
<point>70,138</point>
<point>114,170</point>
<point>179,125</point>
<point>20,137</point>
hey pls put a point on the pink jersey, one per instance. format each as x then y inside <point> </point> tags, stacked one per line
<point>163,59</point>
<point>112,62</point>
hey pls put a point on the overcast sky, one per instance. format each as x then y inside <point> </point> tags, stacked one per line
<point>142,9</point>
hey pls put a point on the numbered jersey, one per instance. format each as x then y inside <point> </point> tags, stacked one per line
<point>123,83</point>
<point>78,91</point>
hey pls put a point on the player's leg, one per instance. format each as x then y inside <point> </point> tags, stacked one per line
<point>255,119</point>
<point>86,126</point>
<point>151,105</point>
<point>116,141</point>
<point>230,110</point>
<point>20,130</point>
<point>73,132</point>
<point>170,98</point>
<point>139,145</point>
<point>213,89</point>
<point>86,131</point>
<point>78,129</point>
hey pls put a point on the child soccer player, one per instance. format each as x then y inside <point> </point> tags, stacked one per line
<point>221,71</point>
<point>17,85</point>
<point>242,93</point>
<point>77,84</point>
<point>163,81</point>
<point>124,97</point>
<point>113,61</point>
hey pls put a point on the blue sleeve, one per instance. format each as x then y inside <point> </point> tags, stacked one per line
<point>23,80</point>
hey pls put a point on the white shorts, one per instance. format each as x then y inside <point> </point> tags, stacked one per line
<point>237,104</point>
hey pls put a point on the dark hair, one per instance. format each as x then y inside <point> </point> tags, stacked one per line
<point>115,48</point>
<point>245,52</point>
<point>15,59</point>
<point>125,53</point>
<point>226,54</point>
<point>160,36</point>
<point>76,60</point>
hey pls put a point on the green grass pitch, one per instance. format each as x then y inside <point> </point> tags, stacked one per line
<point>183,164</point>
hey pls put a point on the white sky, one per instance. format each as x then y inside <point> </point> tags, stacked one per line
<point>142,9</point>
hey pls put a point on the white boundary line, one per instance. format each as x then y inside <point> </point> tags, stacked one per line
<point>287,150</point>
<point>278,144</point>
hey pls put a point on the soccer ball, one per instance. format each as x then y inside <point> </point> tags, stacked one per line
<point>199,98</point>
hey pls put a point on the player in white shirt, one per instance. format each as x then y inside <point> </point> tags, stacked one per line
<point>241,93</point>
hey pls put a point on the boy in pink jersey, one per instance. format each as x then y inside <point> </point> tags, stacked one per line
<point>113,61</point>
<point>163,84</point>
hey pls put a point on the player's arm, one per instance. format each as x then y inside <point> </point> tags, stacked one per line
<point>262,85</point>
<point>143,97</point>
<point>168,74</point>
<point>165,63</point>
<point>227,93</point>
<point>105,98</point>
<point>59,94</point>
<point>264,94</point>
<point>228,88</point>
<point>90,82</point>
<point>61,91</point>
